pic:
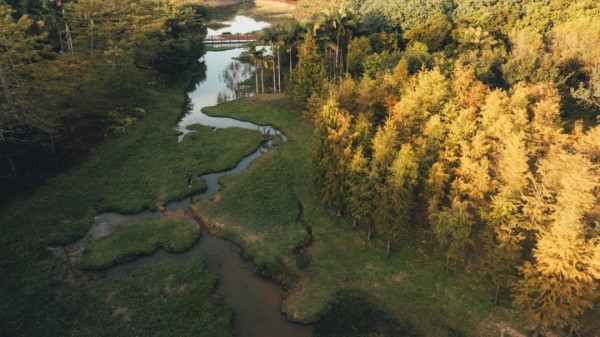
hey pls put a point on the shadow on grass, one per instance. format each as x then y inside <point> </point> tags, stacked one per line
<point>353,314</point>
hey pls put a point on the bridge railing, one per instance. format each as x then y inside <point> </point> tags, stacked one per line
<point>230,39</point>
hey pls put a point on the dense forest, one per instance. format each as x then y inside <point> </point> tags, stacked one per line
<point>72,72</point>
<point>470,125</point>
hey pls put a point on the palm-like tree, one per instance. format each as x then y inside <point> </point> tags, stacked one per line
<point>270,35</point>
<point>262,62</point>
<point>278,37</point>
<point>334,27</point>
<point>258,59</point>
<point>347,25</point>
<point>290,35</point>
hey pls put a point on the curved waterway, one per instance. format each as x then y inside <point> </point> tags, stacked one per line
<point>254,301</point>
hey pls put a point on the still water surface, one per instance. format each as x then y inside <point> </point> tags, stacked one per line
<point>239,25</point>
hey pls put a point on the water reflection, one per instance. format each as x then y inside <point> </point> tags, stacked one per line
<point>225,79</point>
<point>239,25</point>
<point>235,76</point>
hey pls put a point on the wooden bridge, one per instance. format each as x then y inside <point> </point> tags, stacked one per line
<point>230,39</point>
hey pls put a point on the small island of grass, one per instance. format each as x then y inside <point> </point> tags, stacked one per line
<point>175,233</point>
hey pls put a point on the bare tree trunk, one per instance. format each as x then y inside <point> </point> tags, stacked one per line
<point>354,223</point>
<point>290,63</point>
<point>69,39</point>
<point>274,77</point>
<point>12,165</point>
<point>262,78</point>
<point>369,234</point>
<point>62,48</point>
<point>256,77</point>
<point>279,68</point>
<point>497,293</point>
<point>341,60</point>
<point>92,38</point>
<point>337,51</point>
<point>346,65</point>
<point>389,244</point>
<point>447,263</point>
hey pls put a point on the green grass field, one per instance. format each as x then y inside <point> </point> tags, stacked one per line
<point>174,232</point>
<point>142,168</point>
<point>258,209</point>
<point>159,299</point>
<point>265,220</point>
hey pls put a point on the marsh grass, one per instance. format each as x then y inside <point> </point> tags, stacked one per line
<point>216,25</point>
<point>159,299</point>
<point>174,232</point>
<point>265,220</point>
<point>222,48</point>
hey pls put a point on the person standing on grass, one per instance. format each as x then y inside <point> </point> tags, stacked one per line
<point>189,179</point>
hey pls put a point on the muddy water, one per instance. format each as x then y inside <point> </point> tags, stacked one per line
<point>254,301</point>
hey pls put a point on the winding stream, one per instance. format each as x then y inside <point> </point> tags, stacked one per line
<point>254,301</point>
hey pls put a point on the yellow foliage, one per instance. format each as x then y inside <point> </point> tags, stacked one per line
<point>578,39</point>
<point>560,284</point>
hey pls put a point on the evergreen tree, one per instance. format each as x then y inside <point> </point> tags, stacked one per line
<point>434,32</point>
<point>402,181</point>
<point>333,153</point>
<point>360,191</point>
<point>309,74</point>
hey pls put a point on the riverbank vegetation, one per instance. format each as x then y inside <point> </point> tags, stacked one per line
<point>265,221</point>
<point>175,232</point>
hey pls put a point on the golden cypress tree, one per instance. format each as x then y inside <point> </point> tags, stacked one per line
<point>361,191</point>
<point>502,234</point>
<point>399,192</point>
<point>560,283</point>
<point>423,96</point>
<point>332,153</point>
